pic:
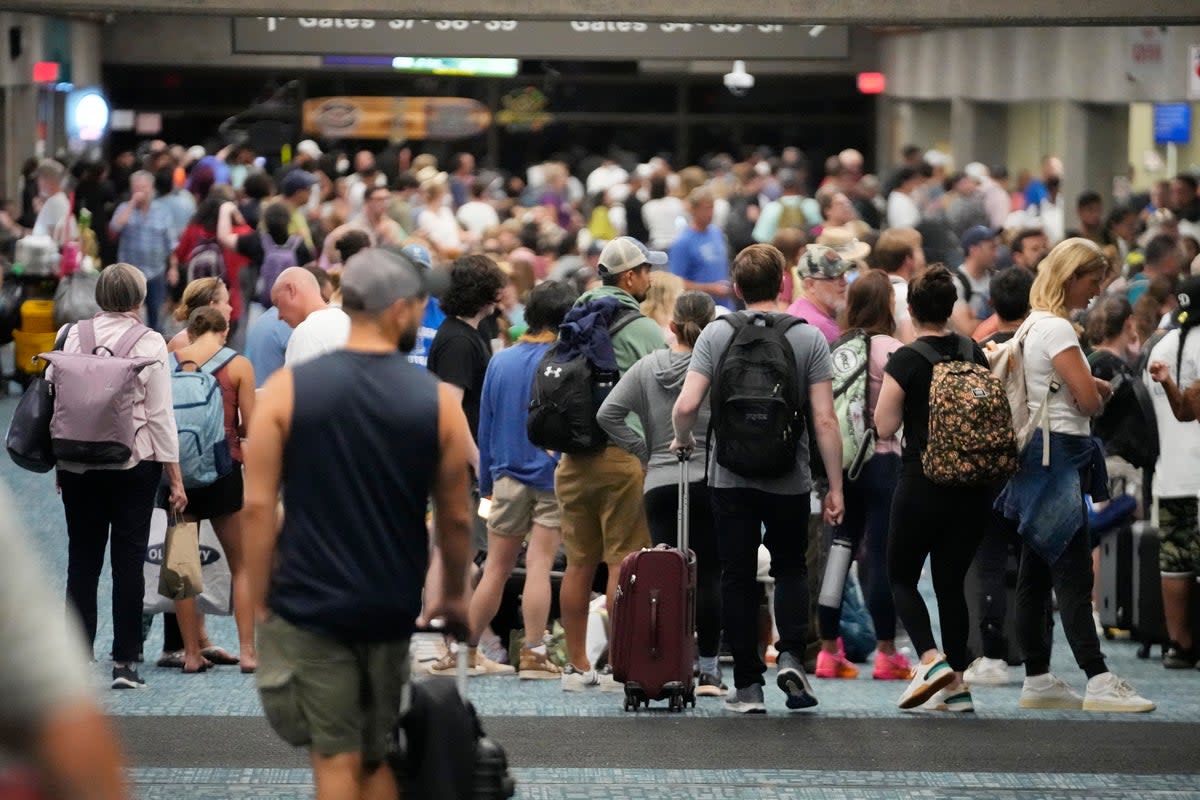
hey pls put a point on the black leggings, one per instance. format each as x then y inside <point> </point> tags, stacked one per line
<point>662,507</point>
<point>868,503</point>
<point>943,523</point>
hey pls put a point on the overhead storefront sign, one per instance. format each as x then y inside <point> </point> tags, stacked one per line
<point>577,40</point>
<point>396,119</point>
<point>1194,72</point>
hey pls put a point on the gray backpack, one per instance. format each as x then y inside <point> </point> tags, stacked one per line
<point>94,392</point>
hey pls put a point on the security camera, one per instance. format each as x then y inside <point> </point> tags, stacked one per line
<point>739,81</point>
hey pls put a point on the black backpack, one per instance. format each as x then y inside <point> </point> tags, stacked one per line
<point>566,396</point>
<point>757,408</point>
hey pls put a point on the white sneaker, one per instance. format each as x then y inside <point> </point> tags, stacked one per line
<point>1047,691</point>
<point>927,679</point>
<point>957,700</point>
<point>987,672</point>
<point>577,680</point>
<point>1107,692</point>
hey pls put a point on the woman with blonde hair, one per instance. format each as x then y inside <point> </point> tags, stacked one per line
<point>1059,465</point>
<point>198,294</point>
<point>659,305</point>
<point>436,222</point>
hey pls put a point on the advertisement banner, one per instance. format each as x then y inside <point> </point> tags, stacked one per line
<point>396,119</point>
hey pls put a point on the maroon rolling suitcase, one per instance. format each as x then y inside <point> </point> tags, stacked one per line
<point>654,619</point>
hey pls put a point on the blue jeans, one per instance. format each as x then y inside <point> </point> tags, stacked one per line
<point>156,296</point>
<point>740,516</point>
<point>868,511</point>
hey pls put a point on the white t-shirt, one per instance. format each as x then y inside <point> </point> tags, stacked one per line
<point>53,220</point>
<point>902,211</point>
<point>322,332</point>
<point>1177,473</point>
<point>441,227</point>
<point>900,293</point>
<point>1046,339</point>
<point>477,216</point>
<point>665,219</point>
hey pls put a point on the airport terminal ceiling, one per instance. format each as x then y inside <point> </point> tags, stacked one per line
<point>910,12</point>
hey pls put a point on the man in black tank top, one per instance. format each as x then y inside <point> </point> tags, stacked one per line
<point>358,440</point>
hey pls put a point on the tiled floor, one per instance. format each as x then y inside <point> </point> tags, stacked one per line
<point>225,692</point>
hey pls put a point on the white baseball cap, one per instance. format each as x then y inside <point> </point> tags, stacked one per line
<point>626,253</point>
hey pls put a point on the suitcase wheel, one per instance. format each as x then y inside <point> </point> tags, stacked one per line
<point>1143,650</point>
<point>633,698</point>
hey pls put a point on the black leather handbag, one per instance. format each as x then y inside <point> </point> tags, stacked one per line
<point>28,438</point>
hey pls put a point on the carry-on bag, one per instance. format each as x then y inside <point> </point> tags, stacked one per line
<point>439,748</point>
<point>654,619</point>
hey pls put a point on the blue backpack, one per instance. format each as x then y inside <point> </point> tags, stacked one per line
<point>204,454</point>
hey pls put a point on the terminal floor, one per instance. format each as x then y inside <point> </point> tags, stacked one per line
<point>203,737</point>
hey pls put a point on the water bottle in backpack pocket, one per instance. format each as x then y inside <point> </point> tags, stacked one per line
<point>204,454</point>
<point>757,408</point>
<point>276,258</point>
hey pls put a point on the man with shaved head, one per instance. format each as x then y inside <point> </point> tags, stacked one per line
<point>319,327</point>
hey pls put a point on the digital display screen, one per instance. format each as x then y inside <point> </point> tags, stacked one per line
<point>484,67</point>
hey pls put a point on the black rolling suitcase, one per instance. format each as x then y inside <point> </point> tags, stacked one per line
<point>439,747</point>
<point>1131,586</point>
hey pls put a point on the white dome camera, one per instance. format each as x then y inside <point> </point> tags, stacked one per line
<point>739,81</point>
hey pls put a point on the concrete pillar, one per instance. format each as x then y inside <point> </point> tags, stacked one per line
<point>18,124</point>
<point>1073,150</point>
<point>964,131</point>
<point>85,53</point>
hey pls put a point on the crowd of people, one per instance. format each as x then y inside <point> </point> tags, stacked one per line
<point>377,328</point>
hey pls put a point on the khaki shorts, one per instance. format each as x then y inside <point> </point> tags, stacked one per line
<point>603,511</point>
<point>1179,551</point>
<point>329,696</point>
<point>517,507</point>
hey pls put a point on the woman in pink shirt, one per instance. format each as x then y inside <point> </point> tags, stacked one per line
<point>104,502</point>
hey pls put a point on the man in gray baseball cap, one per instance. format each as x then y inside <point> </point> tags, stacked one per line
<point>361,441</point>
<point>382,289</point>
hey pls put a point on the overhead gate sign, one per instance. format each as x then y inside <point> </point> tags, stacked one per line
<point>577,40</point>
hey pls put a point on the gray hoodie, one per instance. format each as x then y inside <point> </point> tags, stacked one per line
<point>649,389</point>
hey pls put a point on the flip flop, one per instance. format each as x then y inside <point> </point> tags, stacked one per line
<point>220,656</point>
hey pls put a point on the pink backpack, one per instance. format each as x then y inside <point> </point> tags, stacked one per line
<point>94,392</point>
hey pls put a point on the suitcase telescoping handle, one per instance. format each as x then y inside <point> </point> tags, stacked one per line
<point>682,514</point>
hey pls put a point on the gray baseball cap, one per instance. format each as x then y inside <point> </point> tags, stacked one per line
<point>376,278</point>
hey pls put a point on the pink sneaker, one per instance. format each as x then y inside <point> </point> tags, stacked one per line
<point>892,668</point>
<point>835,665</point>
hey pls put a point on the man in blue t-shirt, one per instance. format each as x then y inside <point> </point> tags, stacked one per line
<point>519,478</point>
<point>434,316</point>
<point>700,255</point>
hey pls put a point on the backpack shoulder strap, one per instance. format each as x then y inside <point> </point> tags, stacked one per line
<point>926,351</point>
<point>623,318</point>
<point>87,336</point>
<point>736,320</point>
<point>219,360</point>
<point>128,339</point>
<point>966,349</point>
